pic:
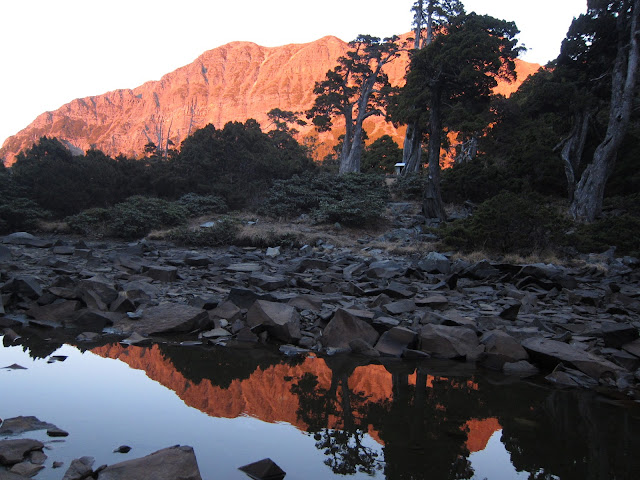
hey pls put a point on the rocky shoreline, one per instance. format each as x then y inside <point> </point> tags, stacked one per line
<point>578,325</point>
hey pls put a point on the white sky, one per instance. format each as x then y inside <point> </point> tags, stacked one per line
<point>53,51</point>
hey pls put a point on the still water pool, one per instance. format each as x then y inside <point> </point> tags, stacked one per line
<point>317,418</point>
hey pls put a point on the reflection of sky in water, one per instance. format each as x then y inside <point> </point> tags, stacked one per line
<point>104,403</point>
<point>493,462</point>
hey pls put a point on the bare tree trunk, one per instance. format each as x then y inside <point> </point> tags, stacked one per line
<point>432,207</point>
<point>573,149</point>
<point>346,145</point>
<point>412,150</point>
<point>352,162</point>
<point>589,193</point>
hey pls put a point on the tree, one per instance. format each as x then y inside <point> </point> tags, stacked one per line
<point>457,73</point>
<point>282,119</point>
<point>603,46</point>
<point>429,16</point>
<point>381,156</point>
<point>355,90</point>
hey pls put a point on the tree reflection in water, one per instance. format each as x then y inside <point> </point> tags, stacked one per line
<point>348,414</point>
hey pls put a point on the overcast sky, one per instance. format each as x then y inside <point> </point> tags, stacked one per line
<point>53,51</point>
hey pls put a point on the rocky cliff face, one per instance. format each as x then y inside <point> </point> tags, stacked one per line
<point>233,82</point>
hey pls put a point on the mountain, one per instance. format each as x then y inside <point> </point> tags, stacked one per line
<point>234,82</point>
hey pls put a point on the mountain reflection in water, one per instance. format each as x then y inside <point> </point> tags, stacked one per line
<point>428,417</point>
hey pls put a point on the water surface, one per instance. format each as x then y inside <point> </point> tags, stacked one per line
<point>317,418</point>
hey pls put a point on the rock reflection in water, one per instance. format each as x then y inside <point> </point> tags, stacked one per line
<point>429,417</point>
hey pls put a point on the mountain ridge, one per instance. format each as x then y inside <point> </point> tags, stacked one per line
<point>233,82</point>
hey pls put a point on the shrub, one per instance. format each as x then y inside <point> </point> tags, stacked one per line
<point>92,221</point>
<point>508,223</point>
<point>620,231</point>
<point>133,218</point>
<point>197,205</point>
<point>20,214</point>
<point>223,232</point>
<point>137,216</point>
<point>354,199</point>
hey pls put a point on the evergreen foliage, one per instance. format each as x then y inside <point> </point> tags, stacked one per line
<point>353,199</point>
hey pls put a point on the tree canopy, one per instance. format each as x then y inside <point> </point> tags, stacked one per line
<point>356,89</point>
<point>452,79</point>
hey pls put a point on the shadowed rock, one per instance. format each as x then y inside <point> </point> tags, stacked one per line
<point>344,327</point>
<point>281,321</point>
<point>441,341</point>
<point>550,353</point>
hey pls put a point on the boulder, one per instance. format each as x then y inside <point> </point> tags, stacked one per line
<point>401,306</point>
<point>162,274</point>
<point>435,262</point>
<point>437,302</point>
<point>91,320</point>
<point>501,348</point>
<point>385,269</point>
<point>97,292</point>
<point>307,302</point>
<point>520,369</point>
<point>344,327</point>
<point>15,451</point>
<point>359,346</point>
<point>55,312</point>
<point>244,298</point>
<point>24,285</point>
<point>25,469</point>
<point>178,462</point>
<point>395,341</point>
<point>267,282</point>
<point>227,310</point>
<point>281,321</point>
<point>167,318</point>
<point>442,341</point>
<point>397,290</point>
<point>18,425</point>
<point>26,239</point>
<point>80,468</point>
<point>550,353</point>
<point>615,335</point>
<point>558,276</point>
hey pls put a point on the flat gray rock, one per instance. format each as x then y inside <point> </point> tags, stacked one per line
<point>18,425</point>
<point>15,451</point>
<point>178,462</point>
<point>166,318</point>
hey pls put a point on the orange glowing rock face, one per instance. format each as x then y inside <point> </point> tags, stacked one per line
<point>267,393</point>
<point>234,82</point>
